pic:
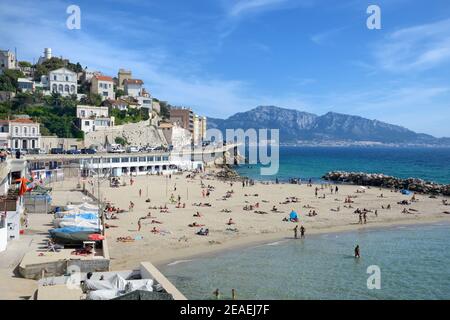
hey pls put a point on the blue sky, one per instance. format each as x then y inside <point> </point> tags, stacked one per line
<point>224,56</point>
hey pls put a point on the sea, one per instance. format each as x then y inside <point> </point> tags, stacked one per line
<point>397,263</point>
<point>431,164</point>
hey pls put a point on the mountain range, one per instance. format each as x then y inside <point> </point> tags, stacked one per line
<point>303,128</point>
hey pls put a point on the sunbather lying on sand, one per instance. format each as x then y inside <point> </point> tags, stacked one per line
<point>195,224</point>
<point>230,222</point>
<point>125,239</point>
<point>156,222</point>
<point>154,230</point>
<point>198,215</point>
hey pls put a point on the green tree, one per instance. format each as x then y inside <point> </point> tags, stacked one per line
<point>119,93</point>
<point>25,64</point>
<point>121,141</point>
<point>8,80</point>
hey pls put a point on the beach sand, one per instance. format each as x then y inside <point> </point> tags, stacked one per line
<point>179,241</point>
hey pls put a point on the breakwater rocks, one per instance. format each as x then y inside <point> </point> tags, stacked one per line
<point>384,181</point>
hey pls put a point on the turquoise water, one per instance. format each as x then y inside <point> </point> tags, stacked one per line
<point>414,264</point>
<point>431,164</point>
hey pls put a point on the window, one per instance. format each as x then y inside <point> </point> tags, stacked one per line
<point>125,160</point>
<point>115,160</point>
<point>165,158</point>
<point>25,131</point>
<point>33,144</point>
<point>142,159</point>
<point>83,113</point>
<point>105,93</point>
<point>86,123</point>
<point>54,88</point>
<point>54,77</point>
<point>158,159</point>
<point>67,78</point>
<point>16,144</point>
<point>16,130</point>
<point>60,88</point>
<point>134,159</point>
<point>33,131</point>
<point>66,88</point>
<point>72,88</point>
<point>150,159</point>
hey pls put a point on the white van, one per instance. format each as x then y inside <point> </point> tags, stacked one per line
<point>115,148</point>
<point>132,149</point>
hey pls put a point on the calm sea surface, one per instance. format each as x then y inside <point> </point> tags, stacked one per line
<point>414,264</point>
<point>313,162</point>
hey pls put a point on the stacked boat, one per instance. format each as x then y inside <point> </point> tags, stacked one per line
<point>76,223</point>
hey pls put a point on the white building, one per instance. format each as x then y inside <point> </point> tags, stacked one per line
<point>62,81</point>
<point>104,86</point>
<point>19,134</point>
<point>7,60</point>
<point>92,118</point>
<point>25,85</point>
<point>89,74</point>
<point>133,87</point>
<point>47,55</point>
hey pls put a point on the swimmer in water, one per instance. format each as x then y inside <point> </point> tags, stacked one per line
<point>357,255</point>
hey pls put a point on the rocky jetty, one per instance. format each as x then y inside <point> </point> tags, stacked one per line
<point>384,181</point>
<point>228,174</point>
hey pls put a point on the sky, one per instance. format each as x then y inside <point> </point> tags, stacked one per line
<point>220,57</point>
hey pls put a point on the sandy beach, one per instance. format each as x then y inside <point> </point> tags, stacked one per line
<point>175,239</point>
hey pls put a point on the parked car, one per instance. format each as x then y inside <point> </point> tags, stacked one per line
<point>88,151</point>
<point>36,151</point>
<point>56,151</point>
<point>73,151</point>
<point>133,149</point>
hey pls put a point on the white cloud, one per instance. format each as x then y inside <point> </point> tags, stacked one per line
<point>241,7</point>
<point>415,48</point>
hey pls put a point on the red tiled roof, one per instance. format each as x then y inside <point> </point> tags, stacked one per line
<point>133,81</point>
<point>18,121</point>
<point>103,78</point>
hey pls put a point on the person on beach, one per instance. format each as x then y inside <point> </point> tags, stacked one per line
<point>139,224</point>
<point>216,294</point>
<point>336,190</point>
<point>302,232</point>
<point>357,255</point>
<point>365,217</point>
<point>295,232</point>
<point>140,193</point>
<point>360,218</point>
<point>131,206</point>
<point>233,294</point>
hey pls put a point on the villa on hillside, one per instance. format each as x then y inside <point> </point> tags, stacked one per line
<point>20,133</point>
<point>62,81</point>
<point>104,86</point>
<point>92,118</point>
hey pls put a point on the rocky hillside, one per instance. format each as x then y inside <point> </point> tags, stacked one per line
<point>300,127</point>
